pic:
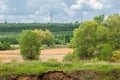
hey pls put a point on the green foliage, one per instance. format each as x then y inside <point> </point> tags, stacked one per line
<point>87,37</point>
<point>99,19</point>
<point>113,23</point>
<point>41,34</point>
<point>52,60</point>
<point>46,37</point>
<point>54,27</point>
<point>49,39</point>
<point>52,64</point>
<point>36,67</point>
<point>5,46</point>
<point>116,56</point>
<point>105,52</point>
<point>69,57</point>
<point>10,39</point>
<point>63,38</point>
<point>29,45</point>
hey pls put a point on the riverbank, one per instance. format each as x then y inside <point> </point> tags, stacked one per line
<point>83,70</point>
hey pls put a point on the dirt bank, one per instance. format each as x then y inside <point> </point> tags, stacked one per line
<point>60,75</point>
<point>52,75</point>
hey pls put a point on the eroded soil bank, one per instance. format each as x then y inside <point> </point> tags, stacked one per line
<point>60,75</point>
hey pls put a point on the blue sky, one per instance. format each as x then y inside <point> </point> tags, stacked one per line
<point>27,11</point>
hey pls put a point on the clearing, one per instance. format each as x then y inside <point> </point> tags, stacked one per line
<point>14,55</point>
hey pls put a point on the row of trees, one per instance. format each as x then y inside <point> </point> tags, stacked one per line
<point>59,38</point>
<point>32,40</point>
<point>10,39</point>
<point>54,27</point>
<point>98,38</point>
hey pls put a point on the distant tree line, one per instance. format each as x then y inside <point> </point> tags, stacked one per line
<point>61,31</point>
<point>53,27</point>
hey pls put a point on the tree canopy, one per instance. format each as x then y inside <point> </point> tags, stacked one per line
<point>113,23</point>
<point>29,45</point>
<point>87,38</point>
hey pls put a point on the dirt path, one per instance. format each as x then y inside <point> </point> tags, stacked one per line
<point>11,55</point>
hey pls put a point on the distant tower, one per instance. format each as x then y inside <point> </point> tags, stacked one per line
<point>51,17</point>
<point>5,21</point>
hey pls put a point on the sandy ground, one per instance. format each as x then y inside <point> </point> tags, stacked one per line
<point>12,55</point>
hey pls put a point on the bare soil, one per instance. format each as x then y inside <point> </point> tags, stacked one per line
<point>56,75</point>
<point>14,55</point>
<point>51,75</point>
<point>61,75</point>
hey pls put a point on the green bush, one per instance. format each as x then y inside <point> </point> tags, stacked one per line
<point>53,64</point>
<point>69,57</point>
<point>116,56</point>
<point>52,60</point>
<point>105,52</point>
<point>5,46</point>
<point>63,38</point>
<point>29,45</point>
<point>10,39</point>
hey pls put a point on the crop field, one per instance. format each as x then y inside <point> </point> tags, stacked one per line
<point>14,55</point>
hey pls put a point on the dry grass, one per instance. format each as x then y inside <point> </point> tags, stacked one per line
<point>9,55</point>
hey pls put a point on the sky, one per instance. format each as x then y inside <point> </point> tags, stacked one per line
<point>55,11</point>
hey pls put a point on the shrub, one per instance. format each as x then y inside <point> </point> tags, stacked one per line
<point>29,45</point>
<point>10,39</point>
<point>52,60</point>
<point>54,64</point>
<point>5,46</point>
<point>116,56</point>
<point>69,57</point>
<point>105,52</point>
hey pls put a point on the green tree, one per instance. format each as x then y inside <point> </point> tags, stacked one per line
<point>41,34</point>
<point>99,19</point>
<point>116,56</point>
<point>113,23</point>
<point>87,37</point>
<point>105,52</point>
<point>49,38</point>
<point>29,45</point>
<point>45,37</point>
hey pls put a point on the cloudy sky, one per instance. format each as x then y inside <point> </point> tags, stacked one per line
<point>57,11</point>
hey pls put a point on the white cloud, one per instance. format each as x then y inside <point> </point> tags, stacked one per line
<point>68,10</point>
<point>3,7</point>
<point>95,4</point>
<point>2,17</point>
<point>80,1</point>
<point>76,6</point>
<point>47,19</point>
<point>63,10</point>
<point>85,13</point>
<point>27,21</point>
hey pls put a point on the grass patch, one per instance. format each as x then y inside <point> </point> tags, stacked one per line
<point>37,67</point>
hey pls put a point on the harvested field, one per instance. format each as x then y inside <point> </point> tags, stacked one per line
<point>12,55</point>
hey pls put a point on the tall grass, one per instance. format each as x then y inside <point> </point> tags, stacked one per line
<point>37,67</point>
